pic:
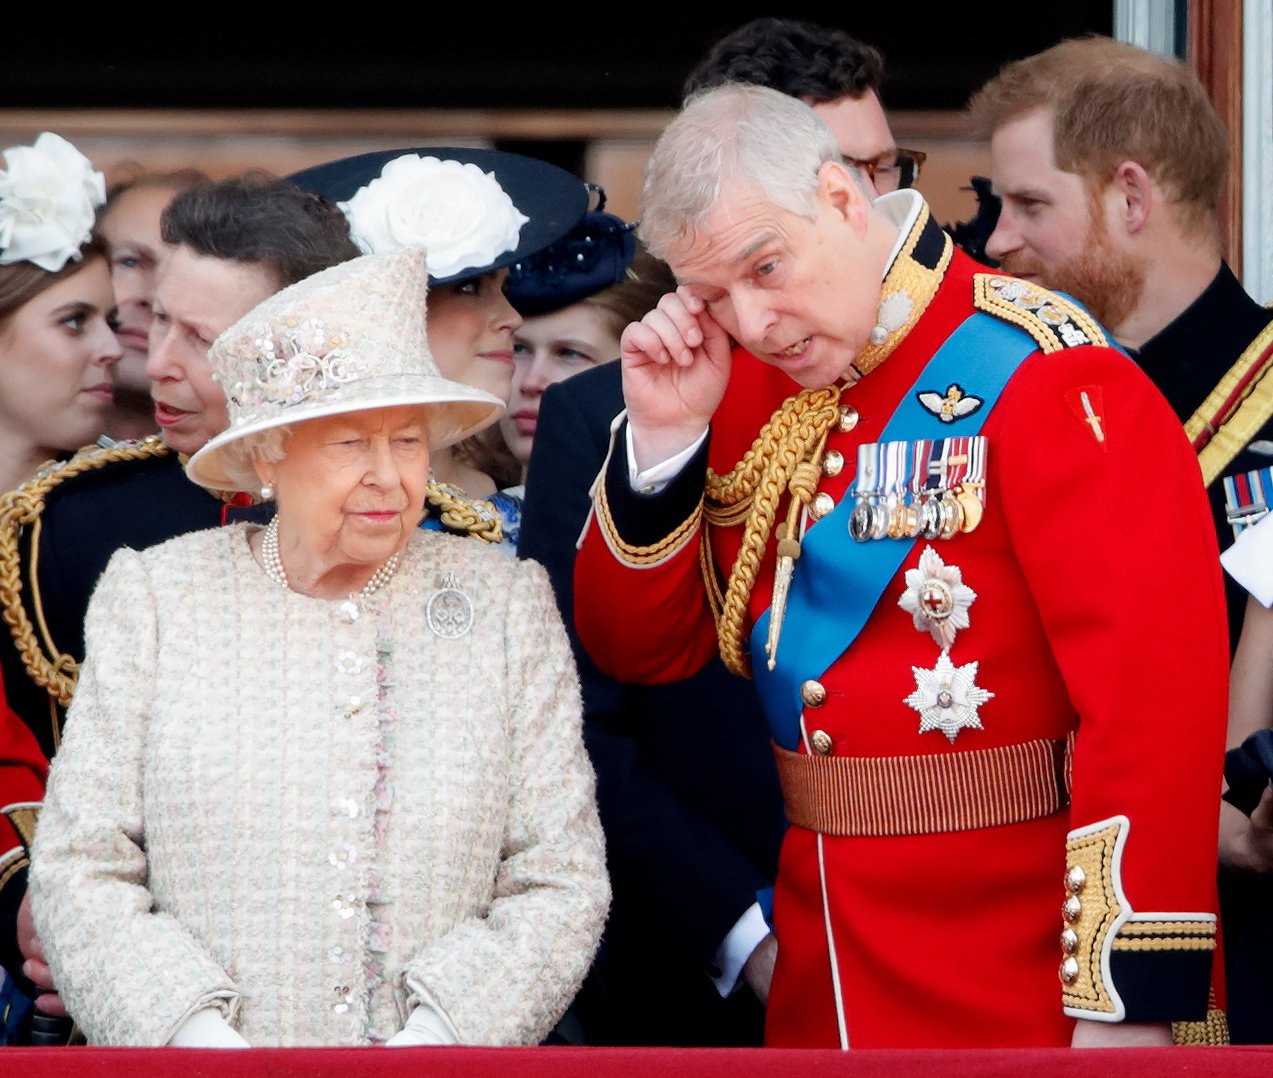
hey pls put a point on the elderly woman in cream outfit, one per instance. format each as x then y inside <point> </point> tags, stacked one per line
<point>323,782</point>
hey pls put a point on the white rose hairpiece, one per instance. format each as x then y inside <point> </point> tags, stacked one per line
<point>49,194</point>
<point>459,214</point>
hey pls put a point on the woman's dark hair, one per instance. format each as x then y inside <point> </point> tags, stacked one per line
<point>21,282</point>
<point>263,220</point>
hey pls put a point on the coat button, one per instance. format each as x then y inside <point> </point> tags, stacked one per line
<point>1072,910</point>
<point>823,504</point>
<point>813,694</point>
<point>1069,971</point>
<point>821,742</point>
<point>832,462</point>
<point>1069,941</point>
<point>1075,880</point>
<point>848,418</point>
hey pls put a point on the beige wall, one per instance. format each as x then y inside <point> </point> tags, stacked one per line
<point>616,143</point>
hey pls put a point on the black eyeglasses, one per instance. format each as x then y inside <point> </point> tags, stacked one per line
<point>891,170</point>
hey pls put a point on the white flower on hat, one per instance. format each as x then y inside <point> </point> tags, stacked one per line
<point>459,214</point>
<point>48,198</point>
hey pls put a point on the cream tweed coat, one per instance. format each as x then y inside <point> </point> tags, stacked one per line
<point>208,837</point>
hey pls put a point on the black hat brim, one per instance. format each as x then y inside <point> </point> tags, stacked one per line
<point>553,199</point>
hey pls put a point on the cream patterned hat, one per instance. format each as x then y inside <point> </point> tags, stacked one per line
<point>348,339</point>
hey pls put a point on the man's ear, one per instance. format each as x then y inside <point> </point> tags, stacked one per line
<point>1136,196</point>
<point>839,190</point>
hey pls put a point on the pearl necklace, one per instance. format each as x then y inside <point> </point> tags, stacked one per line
<point>275,571</point>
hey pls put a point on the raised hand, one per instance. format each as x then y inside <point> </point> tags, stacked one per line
<point>676,363</point>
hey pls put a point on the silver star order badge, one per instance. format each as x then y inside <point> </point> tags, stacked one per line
<point>947,698</point>
<point>937,598</point>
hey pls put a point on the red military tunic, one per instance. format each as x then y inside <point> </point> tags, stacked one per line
<point>1098,612</point>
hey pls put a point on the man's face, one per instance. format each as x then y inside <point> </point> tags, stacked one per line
<point>1054,228</point>
<point>797,293</point>
<point>197,299</point>
<point>860,128</point>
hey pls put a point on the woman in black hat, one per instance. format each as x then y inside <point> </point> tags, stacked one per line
<point>575,297</point>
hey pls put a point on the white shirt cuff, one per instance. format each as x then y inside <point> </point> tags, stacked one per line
<point>1250,560</point>
<point>655,478</point>
<point>206,1028</point>
<point>733,953</point>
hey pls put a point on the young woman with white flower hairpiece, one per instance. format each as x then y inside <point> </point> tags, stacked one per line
<point>57,348</point>
<point>475,213</point>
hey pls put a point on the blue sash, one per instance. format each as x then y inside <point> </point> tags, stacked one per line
<point>838,581</point>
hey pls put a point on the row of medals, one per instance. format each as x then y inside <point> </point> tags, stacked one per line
<point>931,508</point>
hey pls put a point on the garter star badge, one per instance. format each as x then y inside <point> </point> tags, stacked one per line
<point>937,598</point>
<point>947,698</point>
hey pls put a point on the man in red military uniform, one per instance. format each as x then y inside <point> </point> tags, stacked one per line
<point>975,562</point>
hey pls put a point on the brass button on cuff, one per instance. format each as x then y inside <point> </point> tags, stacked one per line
<point>1069,971</point>
<point>1072,910</point>
<point>1075,880</point>
<point>813,694</point>
<point>1069,941</point>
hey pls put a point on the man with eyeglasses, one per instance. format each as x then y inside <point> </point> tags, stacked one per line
<point>836,75</point>
<point>687,953</point>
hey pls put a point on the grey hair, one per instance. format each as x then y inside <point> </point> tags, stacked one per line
<point>268,446</point>
<point>734,134</point>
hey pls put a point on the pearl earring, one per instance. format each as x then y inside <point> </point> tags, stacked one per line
<point>267,492</point>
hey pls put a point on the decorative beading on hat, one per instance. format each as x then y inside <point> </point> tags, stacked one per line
<point>49,194</point>
<point>303,362</point>
<point>593,256</point>
<point>459,214</point>
<point>351,338</point>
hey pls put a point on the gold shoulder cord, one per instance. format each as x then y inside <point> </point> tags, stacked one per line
<point>476,516</point>
<point>21,508</point>
<point>785,455</point>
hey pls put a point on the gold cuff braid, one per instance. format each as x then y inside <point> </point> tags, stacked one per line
<point>644,556</point>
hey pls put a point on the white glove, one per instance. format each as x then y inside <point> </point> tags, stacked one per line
<point>206,1028</point>
<point>424,1026</point>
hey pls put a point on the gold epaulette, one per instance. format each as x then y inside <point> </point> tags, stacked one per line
<point>1054,321</point>
<point>20,509</point>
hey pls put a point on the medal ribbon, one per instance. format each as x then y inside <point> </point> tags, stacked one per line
<point>1246,498</point>
<point>840,581</point>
